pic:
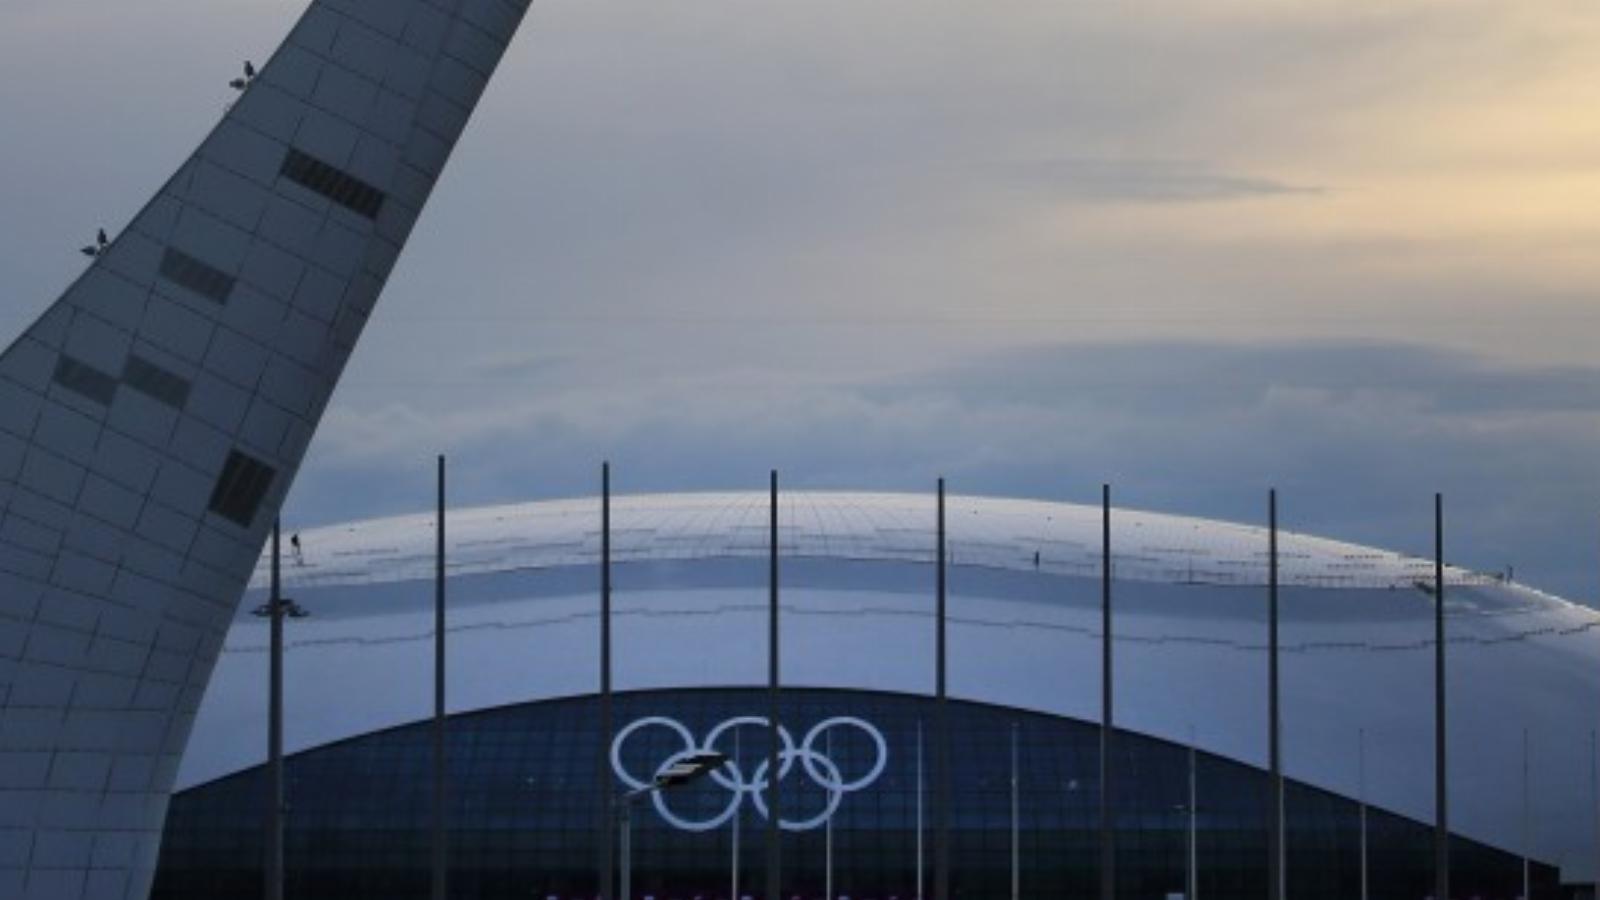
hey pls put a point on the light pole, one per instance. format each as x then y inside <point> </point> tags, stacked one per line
<point>1361,769</point>
<point>733,862</point>
<point>1527,811</point>
<point>941,746</point>
<point>441,859</point>
<point>1016,822</point>
<point>1275,835</point>
<point>608,868</point>
<point>1194,829</point>
<point>276,607</point>
<point>922,787</point>
<point>1108,832</point>
<point>827,836</point>
<point>1191,875</point>
<point>1441,770</point>
<point>682,772</point>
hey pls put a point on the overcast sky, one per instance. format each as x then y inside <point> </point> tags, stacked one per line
<point>1346,247</point>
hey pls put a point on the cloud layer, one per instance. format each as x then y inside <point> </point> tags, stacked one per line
<point>1356,436</point>
<point>1193,248</point>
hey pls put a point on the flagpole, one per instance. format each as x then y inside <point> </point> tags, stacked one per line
<point>441,851</point>
<point>1275,850</point>
<point>774,852</point>
<point>1441,781</point>
<point>1016,830</point>
<point>1108,856</point>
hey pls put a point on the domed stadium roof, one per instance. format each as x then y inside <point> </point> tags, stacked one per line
<point>857,587</point>
<point>998,533</point>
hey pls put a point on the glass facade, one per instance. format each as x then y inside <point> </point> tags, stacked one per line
<point>526,818</point>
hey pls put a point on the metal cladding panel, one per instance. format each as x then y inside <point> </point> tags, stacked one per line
<point>690,607</point>
<point>153,418</point>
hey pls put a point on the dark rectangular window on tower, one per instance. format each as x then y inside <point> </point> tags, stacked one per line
<point>240,488</point>
<point>84,379</point>
<point>151,380</point>
<point>336,184</point>
<point>204,279</point>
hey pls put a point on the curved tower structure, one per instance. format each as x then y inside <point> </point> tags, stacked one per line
<point>153,418</point>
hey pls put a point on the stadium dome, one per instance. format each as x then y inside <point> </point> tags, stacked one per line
<point>857,603</point>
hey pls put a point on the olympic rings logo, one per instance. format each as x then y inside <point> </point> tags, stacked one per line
<point>816,765</point>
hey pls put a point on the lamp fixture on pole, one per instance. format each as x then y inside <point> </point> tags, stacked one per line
<point>686,770</point>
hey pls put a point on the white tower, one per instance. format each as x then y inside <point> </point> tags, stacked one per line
<point>153,418</point>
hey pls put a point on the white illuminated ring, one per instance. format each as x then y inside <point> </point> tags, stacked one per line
<point>823,771</point>
<point>711,824</point>
<point>834,784</point>
<point>624,734</point>
<point>785,753</point>
<point>835,797</point>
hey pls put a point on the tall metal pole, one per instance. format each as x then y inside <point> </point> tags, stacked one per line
<point>922,788</point>
<point>1361,778</point>
<point>827,836</point>
<point>627,849</point>
<point>733,863</point>
<point>440,851</point>
<point>273,883</point>
<point>1594,801</point>
<point>1441,831</point>
<point>774,857</point>
<point>1275,841</point>
<point>607,790</point>
<point>1527,824</point>
<point>941,836</point>
<point>1016,822</point>
<point>1108,855</point>
<point>1193,890</point>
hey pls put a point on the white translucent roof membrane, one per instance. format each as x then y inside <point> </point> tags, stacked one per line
<point>989,532</point>
<point>690,611</point>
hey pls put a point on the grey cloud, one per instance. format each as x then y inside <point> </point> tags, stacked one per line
<point>704,242</point>
<point>1135,180</point>
<point>1223,374</point>
<point>1357,435</point>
